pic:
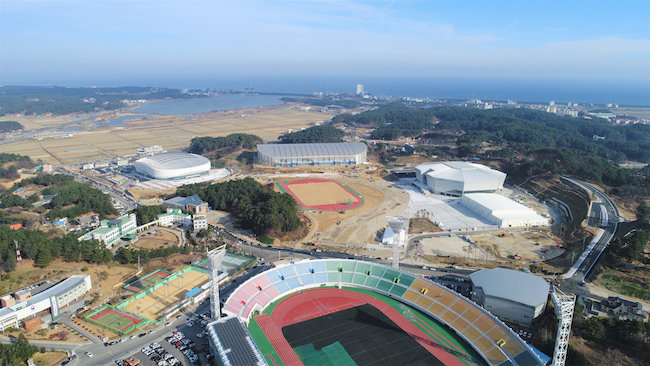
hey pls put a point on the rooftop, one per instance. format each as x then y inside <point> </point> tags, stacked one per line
<point>517,286</point>
<point>312,150</point>
<point>175,160</point>
<point>234,343</point>
<point>459,171</point>
<point>194,200</point>
<point>56,290</point>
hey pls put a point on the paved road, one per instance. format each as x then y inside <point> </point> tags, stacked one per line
<point>608,220</point>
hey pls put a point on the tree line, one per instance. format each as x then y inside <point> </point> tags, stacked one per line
<point>207,144</point>
<point>30,100</point>
<point>18,162</point>
<point>257,207</point>
<point>8,126</point>
<point>315,134</point>
<point>17,354</point>
<point>392,121</point>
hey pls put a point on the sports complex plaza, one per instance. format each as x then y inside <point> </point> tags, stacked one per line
<point>352,312</point>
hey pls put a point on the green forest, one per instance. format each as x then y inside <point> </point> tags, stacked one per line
<point>34,244</point>
<point>322,102</point>
<point>8,126</point>
<point>257,207</point>
<point>529,142</point>
<point>34,100</point>
<point>315,134</point>
<point>72,198</point>
<point>17,354</point>
<point>10,171</point>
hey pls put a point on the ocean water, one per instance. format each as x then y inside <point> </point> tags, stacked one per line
<point>520,90</point>
<point>205,105</point>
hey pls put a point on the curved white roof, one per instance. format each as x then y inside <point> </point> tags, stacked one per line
<point>460,171</point>
<point>172,165</point>
<point>524,288</point>
<point>312,150</point>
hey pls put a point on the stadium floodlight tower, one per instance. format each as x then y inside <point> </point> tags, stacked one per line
<point>564,305</point>
<point>400,226</point>
<point>215,257</point>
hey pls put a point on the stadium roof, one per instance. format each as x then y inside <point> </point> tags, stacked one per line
<point>459,171</point>
<point>524,288</point>
<point>173,160</point>
<point>311,150</point>
<point>233,342</point>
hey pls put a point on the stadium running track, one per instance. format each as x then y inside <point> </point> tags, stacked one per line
<point>319,302</point>
<point>329,207</point>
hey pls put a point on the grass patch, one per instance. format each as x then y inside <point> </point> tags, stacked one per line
<point>265,240</point>
<point>617,284</point>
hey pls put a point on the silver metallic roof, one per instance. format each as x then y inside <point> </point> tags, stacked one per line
<point>173,160</point>
<point>311,150</point>
<point>518,286</point>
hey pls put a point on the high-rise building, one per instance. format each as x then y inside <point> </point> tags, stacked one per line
<point>360,90</point>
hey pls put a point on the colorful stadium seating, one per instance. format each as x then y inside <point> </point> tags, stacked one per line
<point>496,342</point>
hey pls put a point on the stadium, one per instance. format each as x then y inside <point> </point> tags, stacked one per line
<point>349,312</point>
<point>456,178</point>
<point>311,154</point>
<point>175,165</point>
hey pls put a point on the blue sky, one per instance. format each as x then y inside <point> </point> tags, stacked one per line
<point>89,41</point>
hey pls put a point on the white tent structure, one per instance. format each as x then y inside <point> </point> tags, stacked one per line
<point>502,211</point>
<point>456,178</point>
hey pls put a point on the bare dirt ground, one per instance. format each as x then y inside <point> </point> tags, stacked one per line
<point>161,238</point>
<point>422,225</point>
<point>530,245</point>
<point>172,132</point>
<point>321,193</point>
<point>54,335</point>
<point>358,226</point>
<point>49,358</point>
<point>152,305</point>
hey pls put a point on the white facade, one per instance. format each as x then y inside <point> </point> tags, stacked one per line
<point>174,215</point>
<point>172,165</point>
<point>512,296</point>
<point>111,230</point>
<point>54,298</point>
<point>456,178</point>
<point>199,222</point>
<point>502,211</point>
<point>312,154</point>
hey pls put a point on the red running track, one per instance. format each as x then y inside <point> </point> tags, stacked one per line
<point>319,302</point>
<point>328,207</point>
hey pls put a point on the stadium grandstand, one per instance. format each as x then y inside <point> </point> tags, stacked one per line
<point>456,178</point>
<point>173,165</point>
<point>312,154</point>
<point>493,341</point>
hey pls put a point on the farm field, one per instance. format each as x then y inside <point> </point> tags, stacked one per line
<point>172,132</point>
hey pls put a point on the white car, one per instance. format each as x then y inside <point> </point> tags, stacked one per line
<point>88,354</point>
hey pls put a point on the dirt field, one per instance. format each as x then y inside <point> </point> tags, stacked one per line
<point>49,358</point>
<point>531,245</point>
<point>358,226</point>
<point>106,279</point>
<point>152,305</point>
<point>172,132</point>
<point>321,193</point>
<point>446,246</point>
<point>161,238</point>
<point>47,334</point>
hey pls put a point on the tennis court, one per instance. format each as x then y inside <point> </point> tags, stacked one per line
<point>147,281</point>
<point>116,320</point>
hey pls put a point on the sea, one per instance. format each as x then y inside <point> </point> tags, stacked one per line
<point>211,104</point>
<point>630,93</point>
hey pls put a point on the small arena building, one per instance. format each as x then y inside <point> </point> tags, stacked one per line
<point>512,296</point>
<point>502,211</point>
<point>311,154</point>
<point>456,178</point>
<point>173,165</point>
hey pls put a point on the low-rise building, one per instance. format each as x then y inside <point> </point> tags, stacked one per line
<point>615,307</point>
<point>112,230</point>
<point>192,204</point>
<point>51,300</point>
<point>199,222</point>
<point>173,216</point>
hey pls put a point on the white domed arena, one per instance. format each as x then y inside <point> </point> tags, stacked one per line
<point>456,178</point>
<point>173,165</point>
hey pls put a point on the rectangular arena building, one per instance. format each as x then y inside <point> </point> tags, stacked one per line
<point>311,154</point>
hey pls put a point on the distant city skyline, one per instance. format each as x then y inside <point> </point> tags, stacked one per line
<point>86,43</point>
